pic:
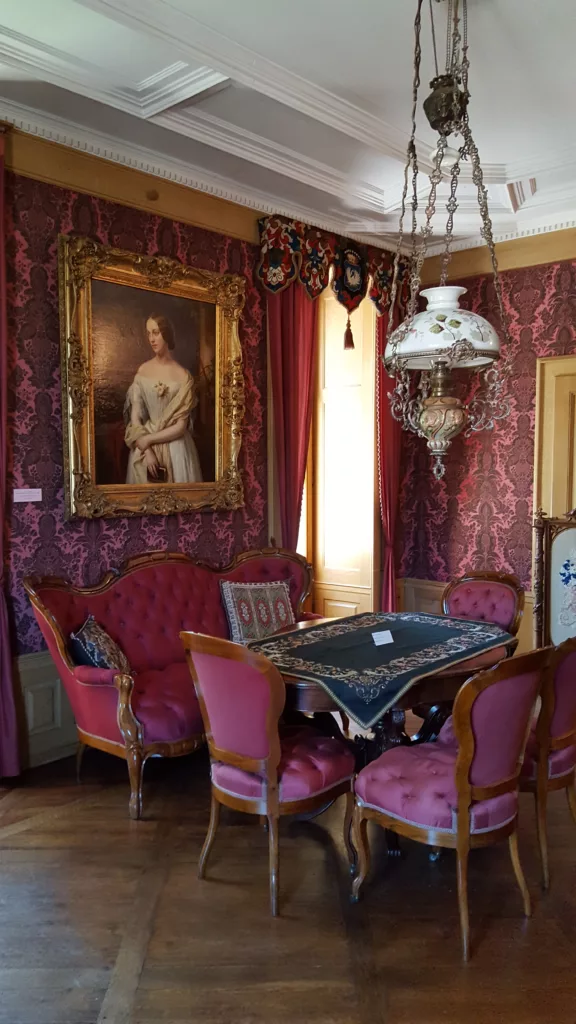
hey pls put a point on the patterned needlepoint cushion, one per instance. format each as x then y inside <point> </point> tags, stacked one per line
<point>91,645</point>
<point>256,610</point>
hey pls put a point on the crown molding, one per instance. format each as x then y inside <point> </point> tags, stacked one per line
<point>168,87</point>
<point>477,242</point>
<point>248,68</point>
<point>110,148</point>
<point>150,162</point>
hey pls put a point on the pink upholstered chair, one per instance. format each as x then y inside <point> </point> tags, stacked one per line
<point>462,791</point>
<point>253,768</point>
<point>486,596</point>
<point>550,761</point>
<point>483,596</point>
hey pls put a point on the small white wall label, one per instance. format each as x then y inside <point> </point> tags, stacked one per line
<point>27,494</point>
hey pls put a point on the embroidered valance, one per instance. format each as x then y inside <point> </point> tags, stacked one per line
<point>293,250</point>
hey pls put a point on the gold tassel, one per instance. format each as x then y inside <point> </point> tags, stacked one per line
<point>348,338</point>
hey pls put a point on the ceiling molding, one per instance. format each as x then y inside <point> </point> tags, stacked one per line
<point>258,73</point>
<point>477,242</point>
<point>51,65</point>
<point>160,76</point>
<point>542,163</point>
<point>187,86</point>
<point>168,87</point>
<point>230,138</point>
<point>108,147</point>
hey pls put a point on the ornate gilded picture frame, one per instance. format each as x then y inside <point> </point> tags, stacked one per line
<point>152,383</point>
<point>554,578</point>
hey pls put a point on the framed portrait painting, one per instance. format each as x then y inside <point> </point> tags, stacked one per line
<point>152,383</point>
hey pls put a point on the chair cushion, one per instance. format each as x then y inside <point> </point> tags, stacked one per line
<point>310,764</point>
<point>91,645</point>
<point>417,785</point>
<point>256,610</point>
<point>165,703</point>
<point>484,601</point>
<point>560,762</point>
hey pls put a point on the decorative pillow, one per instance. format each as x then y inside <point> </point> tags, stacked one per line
<point>255,610</point>
<point>91,645</point>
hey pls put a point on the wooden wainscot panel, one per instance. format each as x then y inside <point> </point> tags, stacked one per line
<point>339,602</point>
<point>47,727</point>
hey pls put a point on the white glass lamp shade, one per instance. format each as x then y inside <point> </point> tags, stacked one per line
<point>435,331</point>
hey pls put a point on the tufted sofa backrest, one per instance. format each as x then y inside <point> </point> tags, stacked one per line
<point>486,599</point>
<point>145,608</point>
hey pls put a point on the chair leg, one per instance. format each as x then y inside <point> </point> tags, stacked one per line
<point>80,751</point>
<point>360,833</point>
<point>352,855</point>
<point>540,799</point>
<point>210,836</point>
<point>135,763</point>
<point>571,796</point>
<point>263,821</point>
<point>345,723</point>
<point>462,872</point>
<point>274,862</point>
<point>514,857</point>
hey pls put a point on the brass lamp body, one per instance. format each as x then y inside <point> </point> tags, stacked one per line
<point>443,416</point>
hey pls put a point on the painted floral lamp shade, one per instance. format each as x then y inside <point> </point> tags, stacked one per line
<point>563,586</point>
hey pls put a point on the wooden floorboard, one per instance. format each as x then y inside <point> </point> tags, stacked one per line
<point>104,920</point>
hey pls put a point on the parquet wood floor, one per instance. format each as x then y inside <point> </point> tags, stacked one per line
<point>104,922</point>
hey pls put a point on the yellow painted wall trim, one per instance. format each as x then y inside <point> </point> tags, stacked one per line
<point>550,247</point>
<point>69,168</point>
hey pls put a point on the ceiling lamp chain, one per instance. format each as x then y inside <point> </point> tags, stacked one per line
<point>422,353</point>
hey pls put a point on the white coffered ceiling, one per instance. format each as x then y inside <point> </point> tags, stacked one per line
<point>300,108</point>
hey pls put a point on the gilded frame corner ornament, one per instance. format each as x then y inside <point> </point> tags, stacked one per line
<point>81,260</point>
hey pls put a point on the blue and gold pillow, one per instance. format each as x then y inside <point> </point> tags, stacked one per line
<point>91,645</point>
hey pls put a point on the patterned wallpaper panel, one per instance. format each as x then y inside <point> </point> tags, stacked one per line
<point>39,539</point>
<point>479,516</point>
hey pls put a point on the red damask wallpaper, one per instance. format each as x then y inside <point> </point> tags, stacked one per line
<point>479,516</point>
<point>39,540</point>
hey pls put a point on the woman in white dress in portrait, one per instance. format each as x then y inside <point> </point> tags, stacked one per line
<point>158,408</point>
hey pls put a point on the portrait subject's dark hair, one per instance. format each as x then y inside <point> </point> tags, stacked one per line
<point>166,328</point>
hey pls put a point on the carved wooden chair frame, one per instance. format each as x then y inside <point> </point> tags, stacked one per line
<point>135,751</point>
<point>269,807</point>
<point>462,840</point>
<point>492,577</point>
<point>543,784</point>
<point>434,715</point>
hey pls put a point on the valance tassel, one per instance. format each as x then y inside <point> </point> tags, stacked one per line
<point>348,337</point>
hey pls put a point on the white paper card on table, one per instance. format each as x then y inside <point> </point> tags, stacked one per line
<point>27,494</point>
<point>383,637</point>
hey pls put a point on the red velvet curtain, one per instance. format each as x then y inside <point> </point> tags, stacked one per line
<point>9,760</point>
<point>292,333</point>
<point>389,441</point>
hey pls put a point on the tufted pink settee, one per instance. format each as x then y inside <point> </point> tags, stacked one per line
<point>143,607</point>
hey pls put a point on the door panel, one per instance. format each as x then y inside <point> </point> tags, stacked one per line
<point>346,551</point>
<point>555,448</point>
